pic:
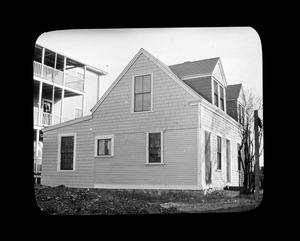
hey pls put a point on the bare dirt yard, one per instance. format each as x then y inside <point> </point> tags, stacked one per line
<point>63,200</point>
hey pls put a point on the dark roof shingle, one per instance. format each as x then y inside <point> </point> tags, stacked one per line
<point>233,91</point>
<point>205,66</point>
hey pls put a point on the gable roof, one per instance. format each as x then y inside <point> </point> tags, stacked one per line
<point>199,67</point>
<point>156,61</point>
<point>233,91</point>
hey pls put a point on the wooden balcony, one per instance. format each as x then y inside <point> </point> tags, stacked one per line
<point>57,76</point>
<point>47,119</point>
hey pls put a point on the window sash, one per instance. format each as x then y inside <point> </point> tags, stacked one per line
<point>103,147</point>
<point>154,148</point>
<point>222,98</point>
<point>66,152</point>
<point>219,153</point>
<point>142,93</point>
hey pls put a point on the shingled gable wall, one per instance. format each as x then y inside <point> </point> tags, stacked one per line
<point>172,114</point>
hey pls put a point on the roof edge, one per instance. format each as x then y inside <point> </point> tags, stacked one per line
<point>67,123</point>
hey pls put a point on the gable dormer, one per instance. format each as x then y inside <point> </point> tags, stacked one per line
<point>236,102</point>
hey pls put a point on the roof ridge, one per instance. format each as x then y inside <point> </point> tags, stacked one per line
<point>188,61</point>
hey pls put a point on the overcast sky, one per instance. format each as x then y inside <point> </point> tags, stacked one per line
<point>112,49</point>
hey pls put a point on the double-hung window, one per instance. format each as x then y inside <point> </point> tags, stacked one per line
<point>216,94</point>
<point>155,148</point>
<point>67,147</point>
<point>219,153</point>
<point>142,93</point>
<point>222,103</point>
<point>104,146</point>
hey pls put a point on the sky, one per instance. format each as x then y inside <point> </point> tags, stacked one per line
<point>112,49</point>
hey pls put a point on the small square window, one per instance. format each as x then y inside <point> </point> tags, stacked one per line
<point>104,146</point>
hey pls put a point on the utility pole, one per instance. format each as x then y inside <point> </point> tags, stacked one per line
<point>256,155</point>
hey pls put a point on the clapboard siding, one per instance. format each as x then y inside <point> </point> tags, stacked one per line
<point>219,126</point>
<point>128,164</point>
<point>202,86</point>
<point>170,104</point>
<point>171,114</point>
<point>83,176</point>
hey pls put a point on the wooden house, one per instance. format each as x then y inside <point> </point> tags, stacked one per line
<point>156,127</point>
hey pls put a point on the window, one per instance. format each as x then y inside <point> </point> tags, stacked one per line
<point>104,146</point>
<point>228,161</point>
<point>222,98</point>
<point>207,158</point>
<point>142,93</point>
<point>67,146</point>
<point>219,153</point>
<point>239,157</point>
<point>216,94</point>
<point>241,113</point>
<point>77,112</point>
<point>154,148</point>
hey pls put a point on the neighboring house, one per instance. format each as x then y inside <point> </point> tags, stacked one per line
<point>63,89</point>
<point>157,126</point>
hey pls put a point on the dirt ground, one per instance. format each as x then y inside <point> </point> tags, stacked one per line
<point>63,200</point>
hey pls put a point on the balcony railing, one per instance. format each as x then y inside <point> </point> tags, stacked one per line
<point>57,76</point>
<point>47,118</point>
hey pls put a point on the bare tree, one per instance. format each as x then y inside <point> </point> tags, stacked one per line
<point>247,150</point>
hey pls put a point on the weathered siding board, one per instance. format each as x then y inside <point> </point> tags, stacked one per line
<point>202,86</point>
<point>221,127</point>
<point>128,164</point>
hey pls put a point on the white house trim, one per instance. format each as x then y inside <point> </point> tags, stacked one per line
<point>132,93</point>
<point>99,137</point>
<point>59,149</point>
<point>161,148</point>
<point>66,123</point>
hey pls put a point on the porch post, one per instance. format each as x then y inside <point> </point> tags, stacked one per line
<point>64,70</point>
<point>36,149</point>
<point>40,104</point>
<point>43,57</point>
<point>52,112</point>
<point>62,104</point>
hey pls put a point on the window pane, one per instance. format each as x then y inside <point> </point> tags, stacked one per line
<point>146,83</point>
<point>216,100</point>
<point>221,92</point>
<point>154,155</point>
<point>138,102</point>
<point>101,147</point>
<point>108,147</point>
<point>154,139</point>
<point>215,87</point>
<point>222,104</point>
<point>147,101</point>
<point>138,85</point>
<point>67,144</point>
<point>66,161</point>
<point>219,144</point>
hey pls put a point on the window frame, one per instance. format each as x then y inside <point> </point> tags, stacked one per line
<point>215,82</point>
<point>112,145</point>
<point>219,153</point>
<point>161,148</point>
<point>228,139</point>
<point>133,94</point>
<point>59,152</point>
